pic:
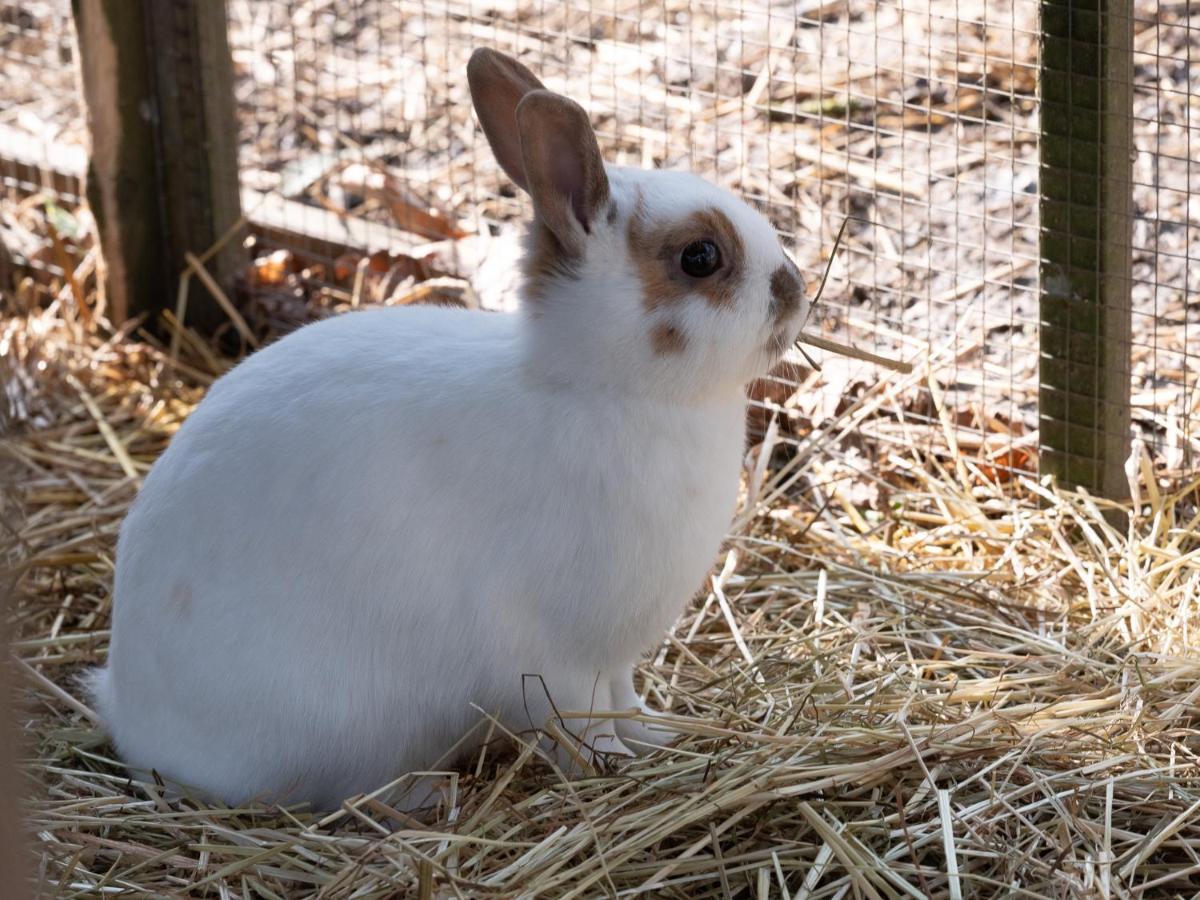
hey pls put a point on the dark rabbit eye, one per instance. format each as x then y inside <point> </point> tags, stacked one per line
<point>700,259</point>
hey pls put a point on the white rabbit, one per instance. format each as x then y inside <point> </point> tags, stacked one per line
<point>387,519</point>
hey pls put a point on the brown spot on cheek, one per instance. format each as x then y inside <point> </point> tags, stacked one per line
<point>787,289</point>
<point>667,340</point>
<point>655,251</point>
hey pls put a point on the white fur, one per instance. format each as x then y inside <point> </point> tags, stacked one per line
<point>391,516</point>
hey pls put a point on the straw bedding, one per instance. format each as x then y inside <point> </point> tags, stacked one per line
<point>915,670</point>
<point>910,674</point>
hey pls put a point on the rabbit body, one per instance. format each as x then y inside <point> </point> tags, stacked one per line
<point>382,520</point>
<point>390,521</point>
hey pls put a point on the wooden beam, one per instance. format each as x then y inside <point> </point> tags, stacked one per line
<point>122,182</point>
<point>1086,237</point>
<point>319,232</point>
<point>30,165</point>
<point>162,179</point>
<point>14,867</point>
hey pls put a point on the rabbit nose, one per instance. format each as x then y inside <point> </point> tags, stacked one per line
<point>787,290</point>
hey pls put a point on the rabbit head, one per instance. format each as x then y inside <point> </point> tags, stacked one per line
<point>655,282</point>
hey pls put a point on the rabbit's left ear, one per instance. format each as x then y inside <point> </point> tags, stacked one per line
<point>563,167</point>
<point>498,83</point>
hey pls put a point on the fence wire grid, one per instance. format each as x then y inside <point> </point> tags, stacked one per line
<point>919,121</point>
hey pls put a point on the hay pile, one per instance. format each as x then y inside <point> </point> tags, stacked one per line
<point>917,671</point>
<point>907,677</point>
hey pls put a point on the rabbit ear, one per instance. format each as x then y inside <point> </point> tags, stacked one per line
<point>498,83</point>
<point>563,165</point>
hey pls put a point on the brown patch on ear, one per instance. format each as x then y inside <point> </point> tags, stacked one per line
<point>562,160</point>
<point>498,83</point>
<point>787,289</point>
<point>667,339</point>
<point>655,251</point>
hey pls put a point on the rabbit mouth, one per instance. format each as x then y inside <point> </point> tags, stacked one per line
<point>779,342</point>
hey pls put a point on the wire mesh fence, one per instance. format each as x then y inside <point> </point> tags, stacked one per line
<point>1166,231</point>
<point>918,121</point>
<point>41,117</point>
<point>916,124</point>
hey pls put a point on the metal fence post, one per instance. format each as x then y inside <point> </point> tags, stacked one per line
<point>1086,238</point>
<point>162,177</point>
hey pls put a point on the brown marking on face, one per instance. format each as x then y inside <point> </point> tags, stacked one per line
<point>655,250</point>
<point>667,339</point>
<point>787,290</point>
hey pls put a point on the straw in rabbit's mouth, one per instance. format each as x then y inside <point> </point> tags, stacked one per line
<point>834,346</point>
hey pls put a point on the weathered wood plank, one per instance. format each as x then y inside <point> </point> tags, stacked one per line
<point>122,183</point>
<point>286,223</point>
<point>162,179</point>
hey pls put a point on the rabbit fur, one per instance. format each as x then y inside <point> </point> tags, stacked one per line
<point>391,520</point>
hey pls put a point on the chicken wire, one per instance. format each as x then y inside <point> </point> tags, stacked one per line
<point>918,124</point>
<point>1166,232</point>
<point>919,121</point>
<point>39,108</point>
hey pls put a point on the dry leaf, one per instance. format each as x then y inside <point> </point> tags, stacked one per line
<point>408,212</point>
<point>271,270</point>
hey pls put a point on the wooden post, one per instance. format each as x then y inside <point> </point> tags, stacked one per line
<point>1086,242</point>
<point>13,868</point>
<point>162,178</point>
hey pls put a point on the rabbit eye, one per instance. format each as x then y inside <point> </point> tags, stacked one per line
<point>700,259</point>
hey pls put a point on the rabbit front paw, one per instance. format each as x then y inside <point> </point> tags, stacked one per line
<point>642,737</point>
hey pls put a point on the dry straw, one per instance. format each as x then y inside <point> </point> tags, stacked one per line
<point>910,677</point>
<point>917,672</point>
